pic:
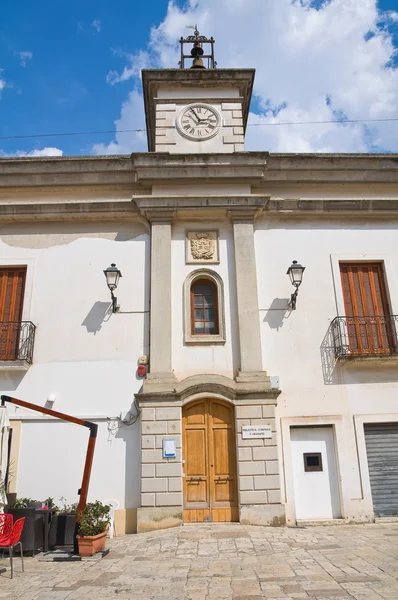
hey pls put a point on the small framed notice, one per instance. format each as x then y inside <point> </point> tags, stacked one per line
<point>256,431</point>
<point>169,448</point>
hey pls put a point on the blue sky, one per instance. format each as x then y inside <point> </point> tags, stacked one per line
<point>72,66</point>
<point>63,86</point>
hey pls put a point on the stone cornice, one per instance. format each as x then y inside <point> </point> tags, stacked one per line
<point>342,206</point>
<point>159,167</point>
<point>101,187</point>
<point>235,207</point>
<point>332,168</point>
<point>186,78</point>
<point>67,211</point>
<point>66,171</point>
<point>140,170</point>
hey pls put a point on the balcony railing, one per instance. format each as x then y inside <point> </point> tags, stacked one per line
<point>16,341</point>
<point>365,336</point>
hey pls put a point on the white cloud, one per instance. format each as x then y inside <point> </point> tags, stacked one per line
<point>47,151</point>
<point>24,57</point>
<point>314,62</point>
<point>131,117</point>
<point>3,82</point>
<point>97,25</point>
<point>136,62</point>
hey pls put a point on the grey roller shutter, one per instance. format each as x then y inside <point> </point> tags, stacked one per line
<point>382,451</point>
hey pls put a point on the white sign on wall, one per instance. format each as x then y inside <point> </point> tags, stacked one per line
<point>169,448</point>
<point>256,431</point>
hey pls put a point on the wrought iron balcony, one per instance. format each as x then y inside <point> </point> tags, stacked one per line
<point>16,341</point>
<point>364,336</point>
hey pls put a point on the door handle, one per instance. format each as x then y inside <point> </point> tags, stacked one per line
<point>195,479</point>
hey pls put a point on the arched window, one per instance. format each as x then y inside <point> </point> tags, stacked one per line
<point>204,308</point>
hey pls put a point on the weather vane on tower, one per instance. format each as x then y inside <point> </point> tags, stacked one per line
<point>197,52</point>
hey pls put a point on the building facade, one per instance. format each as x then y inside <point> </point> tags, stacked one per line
<point>248,410</point>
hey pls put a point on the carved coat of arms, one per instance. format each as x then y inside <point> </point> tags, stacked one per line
<point>202,246</point>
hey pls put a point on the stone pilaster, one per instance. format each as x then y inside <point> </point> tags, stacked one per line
<point>160,374</point>
<point>251,368</point>
<point>161,478</point>
<point>258,467</point>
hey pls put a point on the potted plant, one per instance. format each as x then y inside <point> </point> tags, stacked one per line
<point>62,527</point>
<point>93,527</point>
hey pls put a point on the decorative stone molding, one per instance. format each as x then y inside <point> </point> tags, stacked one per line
<point>245,215</point>
<point>201,247</point>
<point>215,278</point>
<point>160,215</point>
<point>212,384</point>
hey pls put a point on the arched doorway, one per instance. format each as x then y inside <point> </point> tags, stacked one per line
<point>209,462</point>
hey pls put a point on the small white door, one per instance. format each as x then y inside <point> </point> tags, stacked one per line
<point>316,487</point>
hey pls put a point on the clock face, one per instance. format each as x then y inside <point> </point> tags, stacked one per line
<point>199,122</point>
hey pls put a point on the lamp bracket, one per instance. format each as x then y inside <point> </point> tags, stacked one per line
<point>293,299</point>
<point>115,306</point>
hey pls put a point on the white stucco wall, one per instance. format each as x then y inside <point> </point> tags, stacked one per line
<point>291,340</point>
<point>52,456</point>
<point>83,354</point>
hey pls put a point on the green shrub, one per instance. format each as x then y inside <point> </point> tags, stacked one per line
<point>23,502</point>
<point>65,509</point>
<point>94,519</point>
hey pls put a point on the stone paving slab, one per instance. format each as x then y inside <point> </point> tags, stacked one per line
<point>223,561</point>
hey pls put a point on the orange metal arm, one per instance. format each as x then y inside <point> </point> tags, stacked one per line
<point>83,492</point>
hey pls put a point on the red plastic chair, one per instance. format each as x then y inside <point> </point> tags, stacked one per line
<point>13,540</point>
<point>6,522</point>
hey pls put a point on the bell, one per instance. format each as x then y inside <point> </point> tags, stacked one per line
<point>196,53</point>
<point>197,63</point>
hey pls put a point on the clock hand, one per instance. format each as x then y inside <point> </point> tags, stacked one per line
<point>196,117</point>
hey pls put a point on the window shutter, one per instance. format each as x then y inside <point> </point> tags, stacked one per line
<point>365,301</point>
<point>364,289</point>
<point>349,309</point>
<point>12,287</point>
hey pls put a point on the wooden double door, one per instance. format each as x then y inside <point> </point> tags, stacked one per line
<point>209,462</point>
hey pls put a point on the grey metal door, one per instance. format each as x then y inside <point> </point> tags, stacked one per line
<point>382,451</point>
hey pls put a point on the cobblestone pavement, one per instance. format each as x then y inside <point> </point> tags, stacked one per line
<point>211,562</point>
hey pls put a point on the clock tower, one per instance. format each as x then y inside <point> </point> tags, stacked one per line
<point>197,109</point>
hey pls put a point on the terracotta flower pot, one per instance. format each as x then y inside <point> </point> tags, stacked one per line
<point>91,544</point>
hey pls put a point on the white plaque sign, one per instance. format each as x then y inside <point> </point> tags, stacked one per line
<point>256,431</point>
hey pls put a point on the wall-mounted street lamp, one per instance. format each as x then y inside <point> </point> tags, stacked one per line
<point>295,272</point>
<point>113,275</point>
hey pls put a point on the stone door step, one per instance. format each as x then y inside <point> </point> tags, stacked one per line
<point>318,522</point>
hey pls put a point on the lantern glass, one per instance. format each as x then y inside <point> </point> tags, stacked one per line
<point>295,272</point>
<point>112,275</point>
